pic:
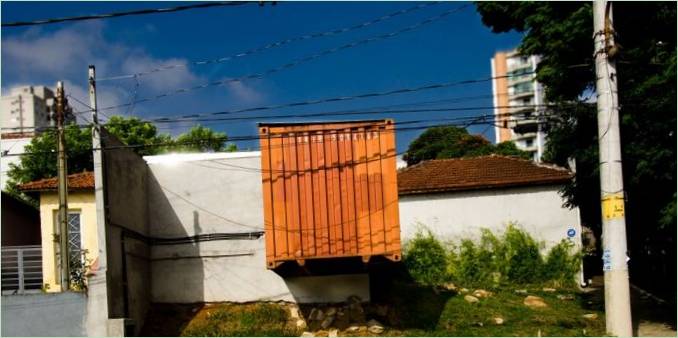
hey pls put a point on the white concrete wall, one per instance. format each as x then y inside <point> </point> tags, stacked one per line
<point>539,210</point>
<point>192,194</point>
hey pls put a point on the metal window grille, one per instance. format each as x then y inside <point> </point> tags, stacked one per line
<point>21,268</point>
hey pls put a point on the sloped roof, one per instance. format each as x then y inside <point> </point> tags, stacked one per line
<point>484,172</point>
<point>79,181</point>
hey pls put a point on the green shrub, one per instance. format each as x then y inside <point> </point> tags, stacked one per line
<point>561,265</point>
<point>522,258</point>
<point>513,258</point>
<point>425,259</point>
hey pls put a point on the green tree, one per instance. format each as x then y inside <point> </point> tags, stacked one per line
<point>39,158</point>
<point>202,139</point>
<point>561,33</point>
<point>453,142</point>
<point>134,131</point>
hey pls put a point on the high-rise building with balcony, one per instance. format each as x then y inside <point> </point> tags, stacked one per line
<point>23,112</point>
<point>518,102</point>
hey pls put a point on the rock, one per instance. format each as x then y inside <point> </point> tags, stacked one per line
<point>307,334</point>
<point>333,333</point>
<point>353,328</point>
<point>498,320</point>
<point>480,293</point>
<point>294,312</point>
<point>450,287</point>
<point>331,311</point>
<point>352,299</point>
<point>301,324</point>
<point>327,322</point>
<point>374,326</point>
<point>463,290</point>
<point>471,299</point>
<point>479,324</point>
<point>321,333</point>
<point>356,314</point>
<point>316,314</point>
<point>566,297</point>
<point>548,290</point>
<point>381,310</point>
<point>534,302</point>
<point>590,316</point>
<point>521,291</point>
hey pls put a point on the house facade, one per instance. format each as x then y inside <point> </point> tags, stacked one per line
<point>81,223</point>
<point>456,198</point>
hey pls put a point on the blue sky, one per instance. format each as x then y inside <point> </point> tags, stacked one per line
<point>455,48</point>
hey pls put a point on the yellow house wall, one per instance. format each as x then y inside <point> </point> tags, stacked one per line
<point>82,202</point>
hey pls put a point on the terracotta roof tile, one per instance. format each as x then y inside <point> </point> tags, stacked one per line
<point>474,173</point>
<point>80,181</point>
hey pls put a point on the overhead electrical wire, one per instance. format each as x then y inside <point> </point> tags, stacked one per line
<point>293,63</point>
<point>358,111</point>
<point>472,120</point>
<point>337,98</point>
<point>273,44</point>
<point>126,13</point>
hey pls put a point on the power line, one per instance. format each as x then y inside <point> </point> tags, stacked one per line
<point>518,110</point>
<point>365,111</point>
<point>339,98</point>
<point>470,120</point>
<point>127,13</point>
<point>295,62</point>
<point>274,44</point>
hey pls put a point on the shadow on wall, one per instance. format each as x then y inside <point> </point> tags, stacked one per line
<point>175,256</point>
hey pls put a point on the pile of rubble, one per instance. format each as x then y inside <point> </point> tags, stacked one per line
<point>351,318</point>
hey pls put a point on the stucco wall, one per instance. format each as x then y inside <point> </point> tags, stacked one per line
<point>192,194</point>
<point>539,210</point>
<point>80,201</point>
<point>41,315</point>
<point>128,270</point>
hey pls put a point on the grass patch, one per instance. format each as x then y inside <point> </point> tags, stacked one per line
<point>447,314</point>
<point>241,320</point>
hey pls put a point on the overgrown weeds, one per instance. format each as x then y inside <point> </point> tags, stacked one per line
<point>512,258</point>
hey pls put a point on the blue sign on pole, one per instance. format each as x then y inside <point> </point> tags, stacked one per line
<point>571,232</point>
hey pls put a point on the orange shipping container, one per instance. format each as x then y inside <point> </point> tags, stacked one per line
<point>329,190</point>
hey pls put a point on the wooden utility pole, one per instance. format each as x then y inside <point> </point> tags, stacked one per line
<point>617,296</point>
<point>62,176</point>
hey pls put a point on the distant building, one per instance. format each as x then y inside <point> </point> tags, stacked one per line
<point>517,100</point>
<point>22,113</point>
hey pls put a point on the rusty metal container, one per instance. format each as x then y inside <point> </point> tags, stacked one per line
<point>329,191</point>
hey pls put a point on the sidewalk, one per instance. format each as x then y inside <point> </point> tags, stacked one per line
<point>651,315</point>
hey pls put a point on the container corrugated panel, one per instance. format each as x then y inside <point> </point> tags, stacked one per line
<point>329,190</point>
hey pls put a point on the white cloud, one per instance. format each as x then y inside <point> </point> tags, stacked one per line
<point>244,93</point>
<point>177,77</point>
<point>66,53</point>
<point>42,57</point>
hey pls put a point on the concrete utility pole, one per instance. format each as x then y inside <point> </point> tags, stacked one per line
<point>617,297</point>
<point>63,186</point>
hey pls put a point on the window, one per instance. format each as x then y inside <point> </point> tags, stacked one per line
<point>75,246</point>
<point>74,237</point>
<point>523,87</point>
<point>529,143</point>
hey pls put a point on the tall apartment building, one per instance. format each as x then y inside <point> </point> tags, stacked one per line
<point>22,112</point>
<point>517,99</point>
